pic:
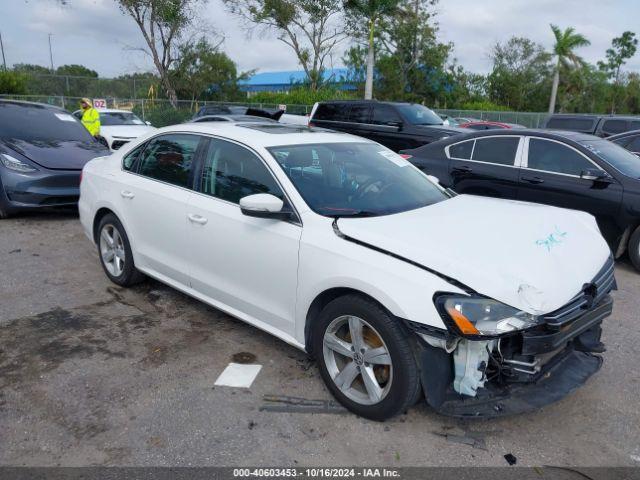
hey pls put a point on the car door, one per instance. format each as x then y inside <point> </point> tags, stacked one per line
<point>385,128</point>
<point>551,173</point>
<point>154,200</point>
<point>243,264</point>
<point>488,166</point>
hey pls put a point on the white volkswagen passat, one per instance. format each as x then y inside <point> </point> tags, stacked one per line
<point>341,248</point>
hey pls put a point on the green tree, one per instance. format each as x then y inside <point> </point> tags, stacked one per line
<point>309,27</point>
<point>204,72</point>
<point>163,24</point>
<point>622,49</point>
<point>518,79</point>
<point>565,43</point>
<point>76,70</point>
<point>13,83</point>
<point>371,12</point>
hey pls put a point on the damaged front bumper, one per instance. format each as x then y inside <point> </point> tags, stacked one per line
<point>513,374</point>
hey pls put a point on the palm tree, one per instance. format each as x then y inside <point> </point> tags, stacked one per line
<point>566,42</point>
<point>370,11</point>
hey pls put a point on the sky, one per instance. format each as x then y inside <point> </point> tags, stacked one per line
<point>96,34</point>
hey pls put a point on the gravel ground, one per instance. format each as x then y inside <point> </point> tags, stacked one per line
<point>91,374</point>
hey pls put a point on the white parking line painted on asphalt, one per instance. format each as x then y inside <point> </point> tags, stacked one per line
<point>238,375</point>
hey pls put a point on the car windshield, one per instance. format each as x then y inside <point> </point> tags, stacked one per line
<point>622,160</point>
<point>23,121</point>
<point>419,114</point>
<point>355,179</point>
<point>119,118</point>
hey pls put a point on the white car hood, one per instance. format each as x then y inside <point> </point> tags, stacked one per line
<point>125,131</point>
<point>532,257</point>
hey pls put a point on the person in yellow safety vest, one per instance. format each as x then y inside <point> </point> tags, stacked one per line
<point>90,117</point>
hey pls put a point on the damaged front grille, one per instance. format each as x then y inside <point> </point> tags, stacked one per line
<point>591,294</point>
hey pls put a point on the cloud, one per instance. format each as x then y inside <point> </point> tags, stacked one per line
<point>97,34</point>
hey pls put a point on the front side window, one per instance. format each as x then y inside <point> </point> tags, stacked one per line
<point>384,114</point>
<point>556,157</point>
<point>499,150</point>
<point>622,160</point>
<point>231,172</point>
<point>461,150</point>
<point>355,179</point>
<point>169,158</point>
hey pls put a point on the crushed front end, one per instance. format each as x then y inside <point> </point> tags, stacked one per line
<point>469,374</point>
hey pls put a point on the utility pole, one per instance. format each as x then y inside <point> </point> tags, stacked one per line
<point>4,61</point>
<point>50,53</point>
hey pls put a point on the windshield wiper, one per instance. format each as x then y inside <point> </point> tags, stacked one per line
<point>356,214</point>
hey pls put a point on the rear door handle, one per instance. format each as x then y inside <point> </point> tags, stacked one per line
<point>127,194</point>
<point>197,218</point>
<point>533,180</point>
<point>462,169</point>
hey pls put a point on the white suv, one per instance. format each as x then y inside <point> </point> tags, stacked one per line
<point>341,248</point>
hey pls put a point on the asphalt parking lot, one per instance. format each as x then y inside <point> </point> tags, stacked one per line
<point>91,374</point>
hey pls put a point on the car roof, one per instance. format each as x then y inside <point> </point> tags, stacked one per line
<point>32,104</point>
<point>539,132</point>
<point>628,133</point>
<point>265,134</point>
<point>380,102</point>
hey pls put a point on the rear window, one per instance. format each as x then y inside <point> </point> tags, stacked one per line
<point>34,122</point>
<point>331,111</point>
<point>573,124</point>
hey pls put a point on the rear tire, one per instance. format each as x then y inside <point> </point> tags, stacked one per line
<point>634,248</point>
<point>115,254</point>
<point>365,358</point>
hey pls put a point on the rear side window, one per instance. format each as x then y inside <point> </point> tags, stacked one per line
<point>384,114</point>
<point>500,150</point>
<point>573,124</point>
<point>232,172</point>
<point>331,111</point>
<point>461,150</point>
<point>359,113</point>
<point>169,158</point>
<point>634,144</point>
<point>129,160</point>
<point>614,126</point>
<point>556,157</point>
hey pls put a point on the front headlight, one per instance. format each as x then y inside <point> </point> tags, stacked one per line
<point>14,164</point>
<point>483,316</point>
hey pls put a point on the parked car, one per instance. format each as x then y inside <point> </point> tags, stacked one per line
<point>565,169</point>
<point>486,125</point>
<point>232,118</point>
<point>118,127</point>
<point>42,152</point>
<point>629,140</point>
<point>461,120</point>
<point>217,109</point>
<point>394,125</point>
<point>600,125</point>
<point>341,248</point>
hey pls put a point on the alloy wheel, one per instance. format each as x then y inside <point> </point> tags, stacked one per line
<point>357,360</point>
<point>112,250</point>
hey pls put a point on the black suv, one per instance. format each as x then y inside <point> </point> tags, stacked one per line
<point>600,125</point>
<point>564,169</point>
<point>394,125</point>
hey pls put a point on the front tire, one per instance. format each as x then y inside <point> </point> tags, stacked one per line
<point>115,254</point>
<point>634,248</point>
<point>365,358</point>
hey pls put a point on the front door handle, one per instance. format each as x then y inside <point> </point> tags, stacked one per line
<point>197,218</point>
<point>534,180</point>
<point>462,169</point>
<point>127,194</point>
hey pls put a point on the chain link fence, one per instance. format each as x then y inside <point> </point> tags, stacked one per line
<point>160,112</point>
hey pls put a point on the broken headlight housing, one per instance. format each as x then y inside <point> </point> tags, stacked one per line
<point>482,317</point>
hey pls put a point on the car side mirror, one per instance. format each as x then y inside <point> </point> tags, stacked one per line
<point>434,179</point>
<point>595,175</point>
<point>148,123</point>
<point>264,205</point>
